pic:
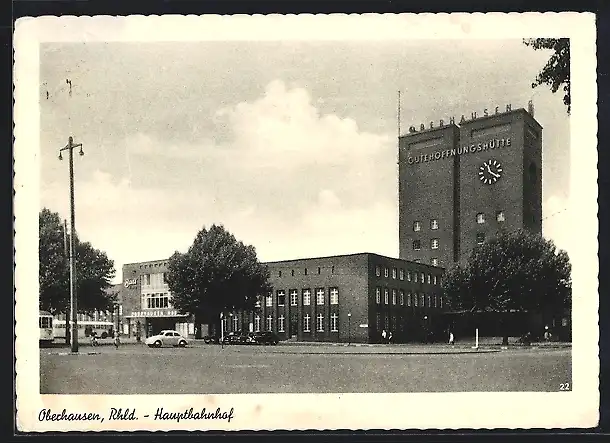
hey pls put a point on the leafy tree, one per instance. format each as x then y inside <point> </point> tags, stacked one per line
<point>515,271</point>
<point>217,274</point>
<point>94,271</point>
<point>556,72</point>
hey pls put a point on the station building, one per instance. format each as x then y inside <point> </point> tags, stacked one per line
<point>343,298</point>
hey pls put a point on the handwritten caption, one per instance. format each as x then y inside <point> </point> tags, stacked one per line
<point>127,414</point>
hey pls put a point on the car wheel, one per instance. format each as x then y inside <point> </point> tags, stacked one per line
<point>182,344</point>
<point>158,344</point>
<point>151,346</point>
<point>104,335</point>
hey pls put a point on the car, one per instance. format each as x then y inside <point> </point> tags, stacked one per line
<point>166,338</point>
<point>235,338</point>
<point>209,339</point>
<point>266,338</point>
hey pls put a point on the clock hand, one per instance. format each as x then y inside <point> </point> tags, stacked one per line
<point>488,169</point>
<point>495,175</point>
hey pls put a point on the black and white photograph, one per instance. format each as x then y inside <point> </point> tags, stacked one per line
<point>306,222</point>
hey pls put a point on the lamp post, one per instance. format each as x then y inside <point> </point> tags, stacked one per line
<point>222,330</point>
<point>73,302</point>
<point>349,328</point>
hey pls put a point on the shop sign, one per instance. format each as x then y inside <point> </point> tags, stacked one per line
<point>158,313</point>
<point>130,282</point>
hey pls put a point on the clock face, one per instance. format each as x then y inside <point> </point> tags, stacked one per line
<point>490,172</point>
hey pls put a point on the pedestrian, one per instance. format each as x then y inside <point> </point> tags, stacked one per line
<point>389,337</point>
<point>547,334</point>
<point>383,336</point>
<point>93,338</point>
<point>451,338</point>
<point>117,340</point>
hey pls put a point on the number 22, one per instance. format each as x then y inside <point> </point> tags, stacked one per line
<point>564,386</point>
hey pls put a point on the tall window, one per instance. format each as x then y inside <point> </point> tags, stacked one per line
<point>408,275</point>
<point>416,226</point>
<point>394,296</point>
<point>500,216</point>
<point>415,277</point>
<point>415,299</point>
<point>306,323</point>
<point>386,272</point>
<point>435,279</point>
<point>281,297</point>
<point>320,323</point>
<point>429,299</point>
<point>258,301</point>
<point>422,300</point>
<point>409,299</point>
<point>423,280</point>
<point>434,224</point>
<point>235,323</point>
<point>294,296</point>
<point>440,301</point>
<point>435,300</point>
<point>480,218</point>
<point>434,262</point>
<point>394,273</point>
<point>378,271</point>
<point>145,279</point>
<point>480,238</point>
<point>157,301</point>
<point>434,243</point>
<point>257,323</point>
<point>386,296</point>
<point>334,323</point>
<point>279,273</point>
<point>280,325</point>
<point>416,245</point>
<point>269,323</point>
<point>320,296</point>
<point>378,295</point>
<point>306,297</point>
<point>402,297</point>
<point>429,279</point>
<point>334,296</point>
<point>292,272</point>
<point>269,300</point>
<point>401,274</point>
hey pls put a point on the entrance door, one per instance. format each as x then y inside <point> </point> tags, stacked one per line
<point>293,327</point>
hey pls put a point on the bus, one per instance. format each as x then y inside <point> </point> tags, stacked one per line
<point>45,326</point>
<point>103,329</point>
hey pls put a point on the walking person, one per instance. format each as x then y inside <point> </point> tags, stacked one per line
<point>117,340</point>
<point>383,336</point>
<point>390,337</point>
<point>93,338</point>
<point>451,338</point>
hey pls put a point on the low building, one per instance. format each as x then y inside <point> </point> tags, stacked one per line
<point>343,298</point>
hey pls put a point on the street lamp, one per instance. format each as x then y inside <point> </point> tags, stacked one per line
<point>73,302</point>
<point>349,328</point>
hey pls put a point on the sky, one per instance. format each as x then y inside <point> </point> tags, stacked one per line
<point>290,145</point>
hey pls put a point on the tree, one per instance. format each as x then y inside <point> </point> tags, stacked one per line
<point>217,274</point>
<point>94,271</point>
<point>556,72</point>
<point>516,271</point>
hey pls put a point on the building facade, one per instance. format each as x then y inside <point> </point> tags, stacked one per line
<point>344,298</point>
<point>461,184</point>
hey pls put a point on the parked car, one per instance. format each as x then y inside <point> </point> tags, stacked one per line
<point>236,338</point>
<point>266,338</point>
<point>209,339</point>
<point>166,338</point>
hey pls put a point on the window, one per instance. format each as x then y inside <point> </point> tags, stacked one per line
<point>292,272</point>
<point>235,322</point>
<point>157,301</point>
<point>416,226</point>
<point>377,271</point>
<point>305,271</point>
<point>429,279</point>
<point>281,298</point>
<point>480,238</point>
<point>394,296</point>
<point>257,323</point>
<point>480,218</point>
<point>415,277</point>
<point>386,296</point>
<point>429,299</point>
<point>401,274</point>
<point>146,279</point>
<point>409,299</point>
<point>306,323</point>
<point>433,224</point>
<point>408,275</point>
<point>306,297</point>
<point>416,245</point>
<point>269,300</point>
<point>423,279</point>
<point>434,262</point>
<point>280,325</point>
<point>293,297</point>
<point>269,323</point>
<point>435,280</point>
<point>332,269</point>
<point>386,272</point>
<point>394,273</point>
<point>378,295</point>
<point>320,296</point>
<point>500,216</point>
<point>258,301</point>
<point>415,299</point>
<point>334,326</point>
<point>434,243</point>
<point>318,269</point>
<point>440,300</point>
<point>378,321</point>
<point>402,297</point>
<point>435,300</point>
<point>422,300</point>
<point>320,323</point>
<point>120,309</point>
<point>334,296</point>
<point>279,273</point>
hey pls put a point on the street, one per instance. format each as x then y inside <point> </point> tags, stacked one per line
<point>210,369</point>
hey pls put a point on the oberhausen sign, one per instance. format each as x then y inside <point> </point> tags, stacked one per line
<point>473,116</point>
<point>494,143</point>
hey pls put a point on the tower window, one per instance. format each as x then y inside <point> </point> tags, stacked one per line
<point>434,224</point>
<point>416,226</point>
<point>500,216</point>
<point>480,238</point>
<point>480,218</point>
<point>434,262</point>
<point>434,243</point>
<point>532,170</point>
<point>416,245</point>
